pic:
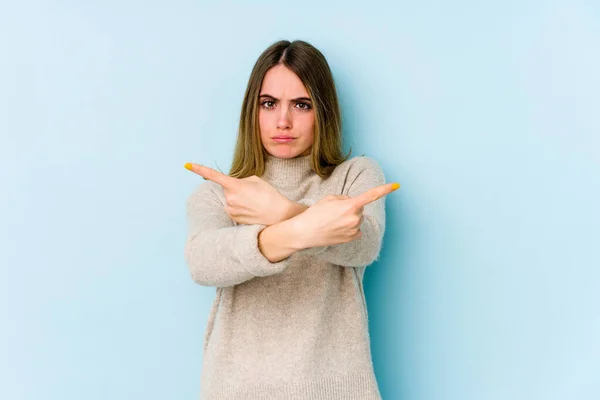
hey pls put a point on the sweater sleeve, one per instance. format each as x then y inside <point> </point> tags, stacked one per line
<point>363,174</point>
<point>217,251</point>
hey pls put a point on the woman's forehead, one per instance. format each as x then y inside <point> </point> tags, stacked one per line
<point>282,83</point>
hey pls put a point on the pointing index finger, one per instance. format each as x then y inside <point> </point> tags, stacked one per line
<point>211,174</point>
<point>374,194</point>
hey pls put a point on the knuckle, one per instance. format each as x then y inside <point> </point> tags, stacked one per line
<point>231,199</point>
<point>356,209</point>
<point>356,235</point>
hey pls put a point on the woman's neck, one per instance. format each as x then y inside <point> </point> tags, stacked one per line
<point>287,171</point>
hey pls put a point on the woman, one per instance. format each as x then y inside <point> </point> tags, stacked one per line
<point>285,239</point>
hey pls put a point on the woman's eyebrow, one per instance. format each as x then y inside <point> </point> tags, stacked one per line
<point>295,100</point>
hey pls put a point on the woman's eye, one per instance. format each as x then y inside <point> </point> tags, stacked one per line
<point>304,106</point>
<point>269,104</point>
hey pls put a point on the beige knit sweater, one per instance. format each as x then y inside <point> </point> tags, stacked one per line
<point>293,329</point>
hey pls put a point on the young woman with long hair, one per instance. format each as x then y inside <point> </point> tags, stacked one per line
<point>285,238</point>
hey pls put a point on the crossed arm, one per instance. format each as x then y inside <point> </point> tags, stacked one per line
<point>262,248</point>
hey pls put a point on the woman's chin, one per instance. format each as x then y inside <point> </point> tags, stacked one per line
<point>286,152</point>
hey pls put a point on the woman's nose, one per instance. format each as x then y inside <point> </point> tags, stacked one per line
<point>284,122</point>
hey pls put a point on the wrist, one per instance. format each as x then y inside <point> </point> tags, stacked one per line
<point>290,231</point>
<point>279,241</point>
<point>297,229</point>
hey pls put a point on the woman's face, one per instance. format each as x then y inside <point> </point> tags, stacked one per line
<point>286,115</point>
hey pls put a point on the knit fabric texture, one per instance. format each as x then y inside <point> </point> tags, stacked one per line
<point>293,329</point>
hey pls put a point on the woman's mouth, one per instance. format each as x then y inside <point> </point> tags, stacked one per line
<point>283,139</point>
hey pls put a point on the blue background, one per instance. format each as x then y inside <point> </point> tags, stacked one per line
<point>487,113</point>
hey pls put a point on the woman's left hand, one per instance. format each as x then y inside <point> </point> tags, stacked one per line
<point>249,200</point>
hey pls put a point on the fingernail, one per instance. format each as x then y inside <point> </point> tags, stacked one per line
<point>188,166</point>
<point>395,186</point>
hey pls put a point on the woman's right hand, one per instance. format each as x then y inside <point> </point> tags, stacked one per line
<point>336,219</point>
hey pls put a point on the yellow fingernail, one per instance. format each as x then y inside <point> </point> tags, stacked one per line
<point>188,166</point>
<point>395,186</point>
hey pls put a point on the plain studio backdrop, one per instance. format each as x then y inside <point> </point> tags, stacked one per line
<point>488,285</point>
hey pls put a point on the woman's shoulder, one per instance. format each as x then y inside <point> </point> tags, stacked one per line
<point>357,165</point>
<point>207,191</point>
<point>358,174</point>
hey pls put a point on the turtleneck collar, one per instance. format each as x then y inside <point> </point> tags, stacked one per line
<point>287,171</point>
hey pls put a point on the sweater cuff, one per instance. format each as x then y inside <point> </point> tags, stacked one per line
<point>245,248</point>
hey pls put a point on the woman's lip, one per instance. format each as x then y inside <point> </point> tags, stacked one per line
<point>283,139</point>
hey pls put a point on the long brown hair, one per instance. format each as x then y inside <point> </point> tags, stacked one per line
<point>309,64</point>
